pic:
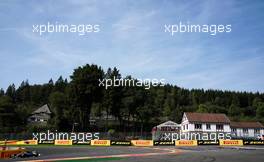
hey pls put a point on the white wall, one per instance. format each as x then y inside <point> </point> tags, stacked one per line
<point>191,127</point>
<point>251,132</point>
<point>262,132</point>
<point>227,128</point>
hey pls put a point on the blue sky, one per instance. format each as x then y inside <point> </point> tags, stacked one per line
<point>132,39</point>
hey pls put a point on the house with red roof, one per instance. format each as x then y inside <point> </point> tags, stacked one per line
<point>247,130</point>
<point>200,123</point>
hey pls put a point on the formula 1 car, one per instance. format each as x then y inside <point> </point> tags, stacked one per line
<point>26,154</point>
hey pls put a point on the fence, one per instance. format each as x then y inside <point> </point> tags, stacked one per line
<point>102,135</point>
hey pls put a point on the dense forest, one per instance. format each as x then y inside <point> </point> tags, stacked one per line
<point>76,99</point>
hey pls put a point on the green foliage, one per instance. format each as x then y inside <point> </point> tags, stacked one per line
<point>11,92</point>
<point>134,108</point>
<point>202,108</point>
<point>234,110</point>
<point>111,131</point>
<point>59,104</point>
<point>84,90</point>
<point>7,114</point>
<point>2,92</point>
<point>260,110</point>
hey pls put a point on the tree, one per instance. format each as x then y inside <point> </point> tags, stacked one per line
<point>135,107</point>
<point>260,110</point>
<point>202,108</point>
<point>144,108</point>
<point>2,92</point>
<point>11,92</point>
<point>235,100</point>
<point>234,110</point>
<point>51,82</point>
<point>115,95</point>
<point>256,102</point>
<point>60,84</point>
<point>8,117</point>
<point>169,104</point>
<point>129,104</point>
<point>23,92</point>
<point>59,104</point>
<point>45,91</point>
<point>84,90</point>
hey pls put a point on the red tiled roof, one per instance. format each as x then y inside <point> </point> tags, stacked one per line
<point>246,125</point>
<point>207,117</point>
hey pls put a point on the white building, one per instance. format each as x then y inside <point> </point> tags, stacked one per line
<point>158,132</point>
<point>199,123</point>
<point>247,130</point>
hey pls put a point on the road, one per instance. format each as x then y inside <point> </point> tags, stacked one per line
<point>147,154</point>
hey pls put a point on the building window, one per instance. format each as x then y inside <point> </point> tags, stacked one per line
<point>219,127</point>
<point>198,126</point>
<point>245,130</point>
<point>233,129</point>
<point>257,131</point>
<point>186,126</point>
<point>208,126</point>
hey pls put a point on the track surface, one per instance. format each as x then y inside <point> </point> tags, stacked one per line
<point>151,154</point>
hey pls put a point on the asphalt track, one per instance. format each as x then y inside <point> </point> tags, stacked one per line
<point>146,154</point>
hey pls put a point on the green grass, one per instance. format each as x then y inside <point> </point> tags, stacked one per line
<point>93,160</point>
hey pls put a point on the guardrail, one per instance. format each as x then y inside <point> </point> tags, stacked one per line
<point>135,142</point>
<point>7,148</point>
